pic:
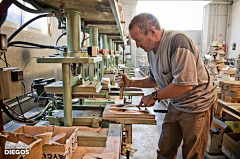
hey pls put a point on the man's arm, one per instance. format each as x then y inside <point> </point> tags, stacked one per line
<point>147,82</point>
<point>172,90</point>
<point>169,91</point>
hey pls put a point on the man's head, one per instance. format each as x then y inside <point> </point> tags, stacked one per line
<point>143,29</point>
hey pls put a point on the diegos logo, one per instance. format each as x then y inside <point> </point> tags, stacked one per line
<point>19,148</point>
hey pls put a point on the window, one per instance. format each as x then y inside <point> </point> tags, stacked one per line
<point>17,16</point>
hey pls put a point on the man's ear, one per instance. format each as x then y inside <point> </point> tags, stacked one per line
<point>153,30</point>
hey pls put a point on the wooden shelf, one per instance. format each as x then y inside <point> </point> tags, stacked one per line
<point>101,13</point>
<point>232,107</point>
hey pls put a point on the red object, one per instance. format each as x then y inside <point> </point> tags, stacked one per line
<point>224,47</point>
<point>234,46</point>
<point>109,51</point>
<point>101,51</point>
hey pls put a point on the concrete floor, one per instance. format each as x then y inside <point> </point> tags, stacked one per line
<point>145,137</point>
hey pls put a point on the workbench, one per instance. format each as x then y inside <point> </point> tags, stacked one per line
<point>234,108</point>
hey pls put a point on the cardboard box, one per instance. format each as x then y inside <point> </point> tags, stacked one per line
<point>231,143</point>
<point>214,144</point>
<point>34,146</point>
<point>54,150</point>
<point>208,156</point>
<point>218,126</point>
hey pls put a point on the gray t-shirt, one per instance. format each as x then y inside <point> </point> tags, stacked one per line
<point>178,61</point>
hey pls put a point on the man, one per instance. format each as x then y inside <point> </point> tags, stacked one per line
<point>176,67</point>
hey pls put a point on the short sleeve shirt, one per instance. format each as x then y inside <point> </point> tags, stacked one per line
<point>178,61</point>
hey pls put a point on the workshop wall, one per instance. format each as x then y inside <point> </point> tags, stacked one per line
<point>234,30</point>
<point>214,24</point>
<point>18,57</point>
<point>129,10</point>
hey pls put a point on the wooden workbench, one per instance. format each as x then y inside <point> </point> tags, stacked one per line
<point>232,107</point>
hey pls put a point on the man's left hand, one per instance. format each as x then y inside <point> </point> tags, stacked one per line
<point>147,101</point>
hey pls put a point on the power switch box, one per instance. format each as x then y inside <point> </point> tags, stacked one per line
<point>17,75</point>
<point>93,51</point>
<point>9,89</point>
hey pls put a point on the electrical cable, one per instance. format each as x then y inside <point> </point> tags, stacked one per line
<point>25,24</point>
<point>39,98</point>
<point>34,44</point>
<point>5,106</point>
<point>23,91</point>
<point>58,40</point>
<point>5,59</point>
<point>5,62</point>
<point>28,62</point>
<point>23,7</point>
<point>84,40</point>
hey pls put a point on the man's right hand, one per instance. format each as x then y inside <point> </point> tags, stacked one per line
<point>122,78</point>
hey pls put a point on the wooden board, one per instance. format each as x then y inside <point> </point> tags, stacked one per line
<point>89,87</point>
<point>113,144</point>
<point>127,111</point>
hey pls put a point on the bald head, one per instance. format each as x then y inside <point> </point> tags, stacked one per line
<point>144,21</point>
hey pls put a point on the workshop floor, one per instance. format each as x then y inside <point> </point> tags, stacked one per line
<point>145,137</point>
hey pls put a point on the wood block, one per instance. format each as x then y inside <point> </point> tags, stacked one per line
<point>60,138</point>
<point>127,111</point>
<point>46,137</point>
<point>229,71</point>
<point>92,138</point>
<point>88,87</point>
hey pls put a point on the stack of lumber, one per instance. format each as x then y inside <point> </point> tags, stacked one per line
<point>215,63</point>
<point>230,91</point>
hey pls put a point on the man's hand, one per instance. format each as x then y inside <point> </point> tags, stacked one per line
<point>122,78</point>
<point>147,101</point>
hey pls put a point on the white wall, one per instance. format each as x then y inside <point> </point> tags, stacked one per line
<point>234,30</point>
<point>214,24</point>
<point>129,9</point>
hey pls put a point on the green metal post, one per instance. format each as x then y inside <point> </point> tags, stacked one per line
<point>102,68</point>
<point>73,30</point>
<point>91,71</point>
<point>73,43</point>
<point>110,49</point>
<point>104,41</point>
<point>67,94</point>
<point>98,71</point>
<point>110,44</point>
<point>93,36</point>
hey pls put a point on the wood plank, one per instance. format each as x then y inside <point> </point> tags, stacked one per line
<point>88,87</point>
<point>127,111</point>
<point>69,59</point>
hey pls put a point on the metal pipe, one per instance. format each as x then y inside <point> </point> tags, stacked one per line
<point>91,71</point>
<point>73,30</point>
<point>93,36</point>
<point>104,41</point>
<point>67,95</point>
<point>115,47</point>
<point>110,44</point>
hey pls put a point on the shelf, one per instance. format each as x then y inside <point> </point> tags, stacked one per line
<point>101,13</point>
